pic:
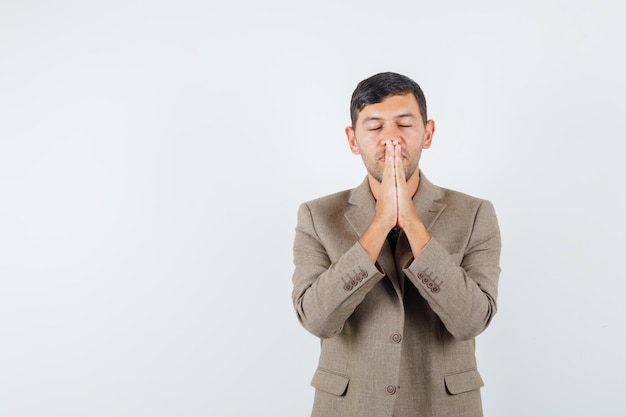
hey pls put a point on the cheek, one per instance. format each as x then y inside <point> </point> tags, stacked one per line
<point>364,144</point>
<point>367,135</point>
<point>416,140</point>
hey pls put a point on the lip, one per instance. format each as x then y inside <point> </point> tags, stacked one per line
<point>382,158</point>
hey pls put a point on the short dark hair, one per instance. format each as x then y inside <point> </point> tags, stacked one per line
<point>378,87</point>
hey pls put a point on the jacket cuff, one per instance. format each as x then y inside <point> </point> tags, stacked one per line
<point>431,266</point>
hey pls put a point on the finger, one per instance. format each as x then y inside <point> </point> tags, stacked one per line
<point>399,166</point>
<point>389,160</point>
<point>389,153</point>
<point>387,201</point>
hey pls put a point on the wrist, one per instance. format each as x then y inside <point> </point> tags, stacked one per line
<point>383,224</point>
<point>418,237</point>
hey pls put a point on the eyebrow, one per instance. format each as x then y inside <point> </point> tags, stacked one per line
<point>400,116</point>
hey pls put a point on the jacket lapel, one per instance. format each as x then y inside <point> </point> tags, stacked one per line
<point>362,208</point>
<point>428,206</point>
<point>360,215</point>
<point>427,202</point>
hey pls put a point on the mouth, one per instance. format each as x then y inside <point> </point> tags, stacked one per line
<point>380,157</point>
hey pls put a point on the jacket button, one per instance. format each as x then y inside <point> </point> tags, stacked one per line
<point>396,338</point>
<point>420,275</point>
<point>347,287</point>
<point>391,389</point>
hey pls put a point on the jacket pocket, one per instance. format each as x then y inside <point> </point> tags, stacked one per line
<point>330,382</point>
<point>463,381</point>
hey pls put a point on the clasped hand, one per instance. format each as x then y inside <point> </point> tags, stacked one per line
<point>394,207</point>
<point>394,204</point>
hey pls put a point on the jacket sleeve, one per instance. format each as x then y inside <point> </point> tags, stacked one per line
<point>461,288</point>
<point>326,291</point>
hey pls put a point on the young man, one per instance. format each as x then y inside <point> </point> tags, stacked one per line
<point>397,276</point>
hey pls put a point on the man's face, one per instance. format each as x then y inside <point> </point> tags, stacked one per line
<point>395,118</point>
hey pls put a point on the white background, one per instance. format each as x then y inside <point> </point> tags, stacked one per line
<point>153,156</point>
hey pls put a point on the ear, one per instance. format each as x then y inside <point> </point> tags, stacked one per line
<point>429,131</point>
<point>354,147</point>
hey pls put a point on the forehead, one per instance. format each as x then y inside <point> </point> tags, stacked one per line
<point>391,107</point>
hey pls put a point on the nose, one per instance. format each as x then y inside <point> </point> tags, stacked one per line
<point>390,132</point>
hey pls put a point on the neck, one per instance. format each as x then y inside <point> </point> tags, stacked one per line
<point>413,183</point>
